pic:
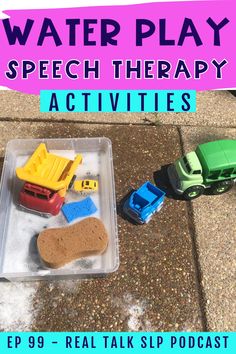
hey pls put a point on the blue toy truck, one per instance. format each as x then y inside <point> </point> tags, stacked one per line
<point>144,202</point>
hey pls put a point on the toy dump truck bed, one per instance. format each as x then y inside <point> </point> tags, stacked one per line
<point>144,202</point>
<point>48,170</point>
<point>146,196</point>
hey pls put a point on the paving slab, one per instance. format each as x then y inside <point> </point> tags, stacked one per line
<point>156,286</point>
<point>214,218</point>
<point>214,108</point>
<point>18,106</point>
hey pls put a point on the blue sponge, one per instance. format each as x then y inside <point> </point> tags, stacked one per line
<point>80,209</point>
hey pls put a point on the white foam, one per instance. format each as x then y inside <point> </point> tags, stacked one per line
<point>135,311</point>
<point>16,306</point>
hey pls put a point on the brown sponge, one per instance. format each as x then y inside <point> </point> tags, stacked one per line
<point>63,245</point>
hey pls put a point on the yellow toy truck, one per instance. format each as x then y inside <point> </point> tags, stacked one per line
<point>86,185</point>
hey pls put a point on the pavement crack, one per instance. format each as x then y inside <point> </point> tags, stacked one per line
<point>198,270</point>
<point>145,122</point>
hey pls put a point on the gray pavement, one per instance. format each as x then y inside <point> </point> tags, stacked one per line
<point>214,108</point>
<point>176,273</point>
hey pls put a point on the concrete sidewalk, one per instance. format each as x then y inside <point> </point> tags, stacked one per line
<point>214,108</point>
<point>177,272</point>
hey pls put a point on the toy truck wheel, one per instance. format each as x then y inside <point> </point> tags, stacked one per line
<point>221,187</point>
<point>193,192</point>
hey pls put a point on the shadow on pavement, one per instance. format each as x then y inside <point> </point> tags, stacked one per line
<point>161,180</point>
<point>120,205</point>
<point>233,92</point>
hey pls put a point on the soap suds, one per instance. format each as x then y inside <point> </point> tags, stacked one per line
<point>66,287</point>
<point>16,306</point>
<point>135,312</point>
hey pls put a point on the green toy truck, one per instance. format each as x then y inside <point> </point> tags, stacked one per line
<point>212,166</point>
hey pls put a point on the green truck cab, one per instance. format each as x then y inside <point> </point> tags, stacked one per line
<point>212,165</point>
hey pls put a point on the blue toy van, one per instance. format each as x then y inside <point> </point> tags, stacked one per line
<point>144,202</point>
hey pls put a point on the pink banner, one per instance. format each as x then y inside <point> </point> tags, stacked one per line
<point>179,45</point>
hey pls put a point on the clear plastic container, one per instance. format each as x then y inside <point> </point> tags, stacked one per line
<point>19,259</point>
